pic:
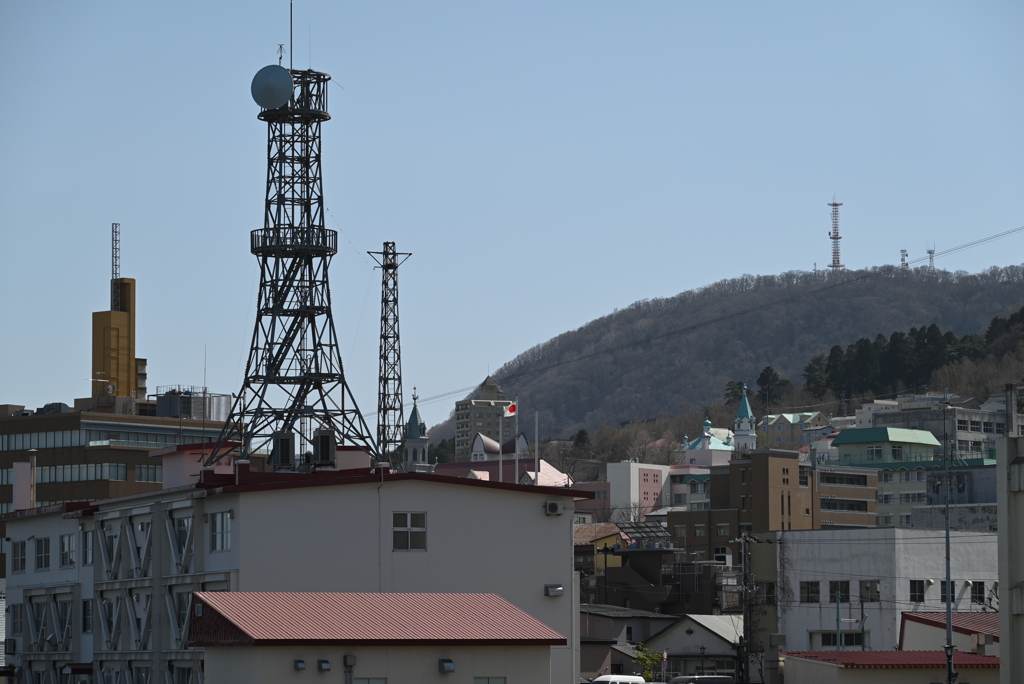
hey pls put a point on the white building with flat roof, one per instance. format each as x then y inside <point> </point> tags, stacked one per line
<point>878,573</point>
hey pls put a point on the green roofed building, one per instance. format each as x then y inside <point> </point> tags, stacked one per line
<point>910,470</point>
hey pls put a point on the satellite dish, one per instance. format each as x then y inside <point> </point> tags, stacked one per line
<point>272,87</point>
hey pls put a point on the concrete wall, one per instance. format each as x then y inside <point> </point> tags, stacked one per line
<point>802,671</point>
<point>918,636</point>
<point>276,664</point>
<point>979,517</point>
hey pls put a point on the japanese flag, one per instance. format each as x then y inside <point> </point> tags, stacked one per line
<point>510,410</point>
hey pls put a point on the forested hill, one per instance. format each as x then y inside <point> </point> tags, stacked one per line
<point>668,355</point>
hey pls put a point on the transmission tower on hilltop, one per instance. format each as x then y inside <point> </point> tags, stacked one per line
<point>931,259</point>
<point>294,403</point>
<point>834,236</point>
<point>390,416</point>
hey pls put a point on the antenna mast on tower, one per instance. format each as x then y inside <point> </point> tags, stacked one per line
<point>931,259</point>
<point>903,259</point>
<point>390,416</point>
<point>295,404</point>
<point>115,266</point>
<point>836,264</point>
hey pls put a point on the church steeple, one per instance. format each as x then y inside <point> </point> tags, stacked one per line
<point>744,426</point>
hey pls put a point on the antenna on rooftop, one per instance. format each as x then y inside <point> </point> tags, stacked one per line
<point>834,236</point>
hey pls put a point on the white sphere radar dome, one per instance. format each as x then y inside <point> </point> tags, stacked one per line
<point>272,86</point>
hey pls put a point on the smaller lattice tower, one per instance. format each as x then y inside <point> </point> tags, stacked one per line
<point>903,259</point>
<point>931,259</point>
<point>390,416</point>
<point>836,264</point>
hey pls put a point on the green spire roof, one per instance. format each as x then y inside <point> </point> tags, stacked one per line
<point>744,410</point>
<point>416,428</point>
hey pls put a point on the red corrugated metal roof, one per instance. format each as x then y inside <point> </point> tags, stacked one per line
<point>964,623</point>
<point>234,618</point>
<point>895,659</point>
<point>587,533</point>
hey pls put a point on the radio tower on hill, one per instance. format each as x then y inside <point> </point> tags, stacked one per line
<point>836,264</point>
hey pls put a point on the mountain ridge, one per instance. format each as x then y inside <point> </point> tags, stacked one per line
<point>661,356</point>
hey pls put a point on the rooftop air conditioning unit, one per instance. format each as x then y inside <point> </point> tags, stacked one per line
<point>554,508</point>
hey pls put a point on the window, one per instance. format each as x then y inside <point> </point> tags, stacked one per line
<point>897,453</point>
<point>143,674</point>
<point>149,473</point>
<point>869,591</point>
<point>842,588</point>
<point>182,599</point>
<point>975,426</point>
<point>746,528</point>
<point>743,476</point>
<point>87,550</point>
<point>885,498</point>
<point>743,502</point>
<point>409,531</point>
<point>913,497</point>
<point>87,615</point>
<point>904,519</point>
<point>844,479</point>
<point>766,593</point>
<point>978,593</point>
<point>17,618</point>
<point>829,504</point>
<point>810,592</point>
<point>67,550</point>
<point>375,680</point>
<point>679,530</point>
<point>220,531</point>
<point>942,588</point>
<point>629,633</point>
<point>42,554</point>
<point>874,453</point>
<point>962,424</point>
<point>678,499</point>
<point>182,526</point>
<point>723,529</point>
<point>804,475</point>
<point>18,557</point>
<point>849,638</point>
<point>488,680</point>
<point>884,520</point>
<point>700,531</point>
<point>917,591</point>
<point>884,478</point>
<point>988,427</point>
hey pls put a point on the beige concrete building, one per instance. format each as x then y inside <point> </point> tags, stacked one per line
<point>769,490</point>
<point>484,415</point>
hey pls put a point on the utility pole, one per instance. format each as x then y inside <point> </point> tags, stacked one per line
<point>743,652</point>
<point>950,675</point>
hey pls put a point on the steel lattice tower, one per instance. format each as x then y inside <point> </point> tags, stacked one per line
<point>390,416</point>
<point>834,236</point>
<point>294,399</point>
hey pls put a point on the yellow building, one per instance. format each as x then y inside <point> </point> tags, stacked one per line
<point>116,372</point>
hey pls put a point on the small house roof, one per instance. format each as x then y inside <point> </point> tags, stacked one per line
<point>292,618</point>
<point>895,659</point>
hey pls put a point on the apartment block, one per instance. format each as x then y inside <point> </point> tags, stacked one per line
<point>484,415</point>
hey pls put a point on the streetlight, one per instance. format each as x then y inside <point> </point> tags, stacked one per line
<point>702,649</point>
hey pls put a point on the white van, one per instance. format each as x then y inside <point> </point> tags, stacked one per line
<point>620,679</point>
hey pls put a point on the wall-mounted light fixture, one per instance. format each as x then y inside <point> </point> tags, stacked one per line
<point>323,665</point>
<point>300,665</point>
<point>554,590</point>
<point>445,666</point>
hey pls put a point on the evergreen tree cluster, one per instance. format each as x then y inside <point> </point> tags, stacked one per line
<point>903,361</point>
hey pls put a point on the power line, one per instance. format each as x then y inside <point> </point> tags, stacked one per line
<point>886,270</point>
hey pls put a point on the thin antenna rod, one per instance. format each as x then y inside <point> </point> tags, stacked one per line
<point>291,34</point>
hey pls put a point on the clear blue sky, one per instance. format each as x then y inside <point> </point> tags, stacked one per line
<point>578,156</point>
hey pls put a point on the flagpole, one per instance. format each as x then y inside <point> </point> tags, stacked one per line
<point>501,475</point>
<point>536,447</point>
<point>515,438</point>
